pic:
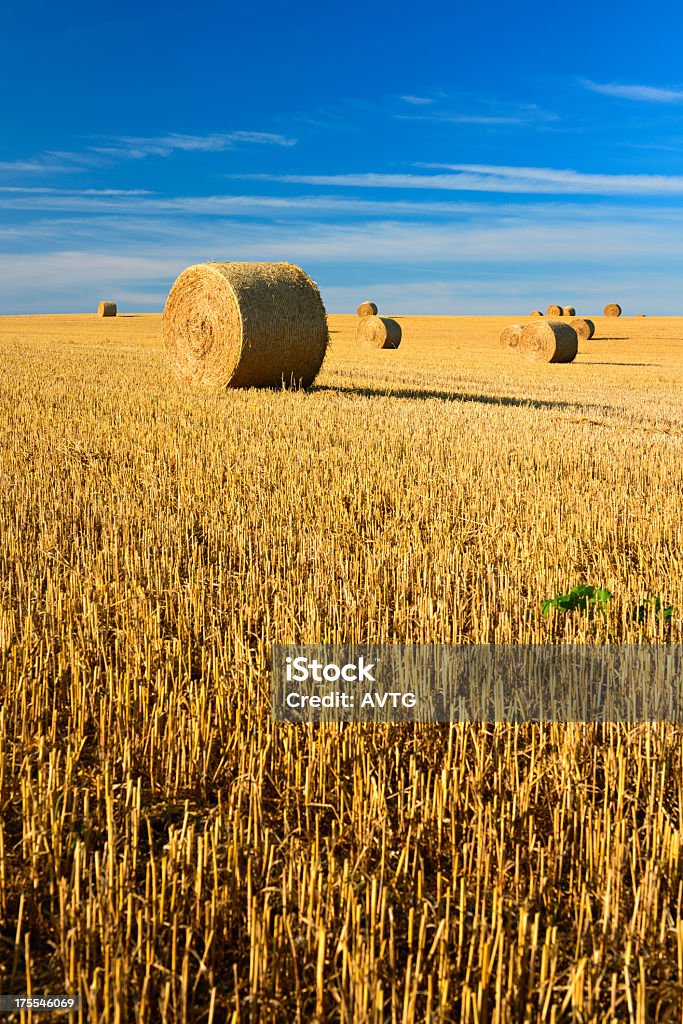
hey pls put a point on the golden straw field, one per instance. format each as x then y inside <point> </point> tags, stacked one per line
<point>171,854</point>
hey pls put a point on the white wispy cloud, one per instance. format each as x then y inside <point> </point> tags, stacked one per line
<point>490,254</point>
<point>417,101</point>
<point>138,148</point>
<point>494,178</point>
<point>644,93</point>
<point>37,166</point>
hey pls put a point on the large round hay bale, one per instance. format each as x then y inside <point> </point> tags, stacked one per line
<point>535,312</point>
<point>549,341</point>
<point>379,332</point>
<point>238,325</point>
<point>106,309</point>
<point>367,309</point>
<point>510,336</point>
<point>584,328</point>
<point>568,311</point>
<point>612,309</point>
<point>554,311</point>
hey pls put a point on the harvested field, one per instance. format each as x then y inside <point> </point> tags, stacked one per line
<point>170,853</point>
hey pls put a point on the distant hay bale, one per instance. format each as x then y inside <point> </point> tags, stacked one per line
<point>535,312</point>
<point>379,332</point>
<point>612,309</point>
<point>367,309</point>
<point>510,337</point>
<point>549,341</point>
<point>584,328</point>
<point>554,311</point>
<point>642,314</point>
<point>106,309</point>
<point>238,325</point>
<point>568,311</point>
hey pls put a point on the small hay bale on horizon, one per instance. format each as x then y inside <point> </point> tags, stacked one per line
<point>549,341</point>
<point>379,332</point>
<point>584,327</point>
<point>568,311</point>
<point>535,312</point>
<point>554,311</point>
<point>510,337</point>
<point>612,309</point>
<point>106,309</point>
<point>239,325</point>
<point>367,309</point>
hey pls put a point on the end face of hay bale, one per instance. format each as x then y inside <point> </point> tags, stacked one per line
<point>238,325</point>
<point>550,341</point>
<point>584,328</point>
<point>554,311</point>
<point>511,336</point>
<point>379,332</point>
<point>106,309</point>
<point>535,312</point>
<point>568,311</point>
<point>367,309</point>
<point>612,309</point>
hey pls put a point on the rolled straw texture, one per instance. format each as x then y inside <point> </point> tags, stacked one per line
<point>535,312</point>
<point>106,309</point>
<point>379,332</point>
<point>238,325</point>
<point>568,311</point>
<point>367,309</point>
<point>554,311</point>
<point>612,309</point>
<point>583,327</point>
<point>549,341</point>
<point>510,336</point>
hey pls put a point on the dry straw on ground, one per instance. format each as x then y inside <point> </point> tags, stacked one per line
<point>170,853</point>
<point>554,311</point>
<point>584,328</point>
<point>568,311</point>
<point>106,309</point>
<point>612,309</point>
<point>510,336</point>
<point>549,341</point>
<point>535,312</point>
<point>245,325</point>
<point>379,332</point>
<point>367,309</point>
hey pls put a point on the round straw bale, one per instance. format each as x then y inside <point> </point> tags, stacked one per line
<point>554,311</point>
<point>367,309</point>
<point>509,338</point>
<point>549,341</point>
<point>535,312</point>
<point>612,309</point>
<point>237,325</point>
<point>379,332</point>
<point>568,311</point>
<point>583,327</point>
<point>106,309</point>
<point>642,314</point>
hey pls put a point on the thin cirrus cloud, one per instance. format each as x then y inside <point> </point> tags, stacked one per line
<point>136,148</point>
<point>643,93</point>
<point>417,101</point>
<point>512,114</point>
<point>100,152</point>
<point>503,179</point>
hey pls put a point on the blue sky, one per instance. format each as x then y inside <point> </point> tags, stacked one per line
<point>445,158</point>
